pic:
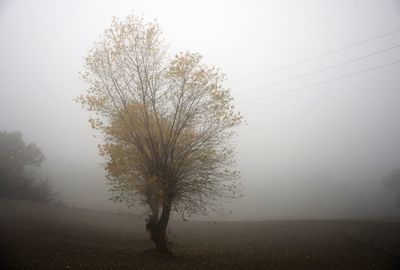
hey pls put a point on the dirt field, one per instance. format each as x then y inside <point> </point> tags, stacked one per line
<point>36,236</point>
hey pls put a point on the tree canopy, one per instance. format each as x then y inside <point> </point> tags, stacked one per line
<point>20,176</point>
<point>392,184</point>
<point>167,124</point>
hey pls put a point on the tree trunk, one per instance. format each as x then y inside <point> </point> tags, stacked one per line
<point>162,244</point>
<point>157,227</point>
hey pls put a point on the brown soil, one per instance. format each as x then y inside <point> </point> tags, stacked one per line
<point>37,236</point>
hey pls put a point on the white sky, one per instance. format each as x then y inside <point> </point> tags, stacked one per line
<point>319,152</point>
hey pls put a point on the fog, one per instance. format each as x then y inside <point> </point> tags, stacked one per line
<point>318,139</point>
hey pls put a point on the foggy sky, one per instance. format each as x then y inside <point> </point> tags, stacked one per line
<point>316,153</point>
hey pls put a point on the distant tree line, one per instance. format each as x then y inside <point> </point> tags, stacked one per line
<point>20,170</point>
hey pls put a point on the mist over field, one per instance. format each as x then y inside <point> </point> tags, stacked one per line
<point>199,134</point>
<point>317,152</point>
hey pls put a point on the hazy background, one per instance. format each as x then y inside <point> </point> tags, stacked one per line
<point>316,153</point>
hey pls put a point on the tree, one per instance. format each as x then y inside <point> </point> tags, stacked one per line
<point>392,184</point>
<point>20,176</point>
<point>167,124</point>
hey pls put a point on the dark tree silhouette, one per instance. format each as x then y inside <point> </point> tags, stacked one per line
<point>392,184</point>
<point>20,174</point>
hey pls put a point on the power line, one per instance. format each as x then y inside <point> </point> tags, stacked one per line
<point>318,70</point>
<point>273,95</point>
<point>320,83</point>
<point>316,57</point>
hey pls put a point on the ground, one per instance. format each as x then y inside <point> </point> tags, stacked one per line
<point>38,236</point>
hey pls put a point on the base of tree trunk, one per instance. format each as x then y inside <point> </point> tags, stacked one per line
<point>161,243</point>
<point>158,236</point>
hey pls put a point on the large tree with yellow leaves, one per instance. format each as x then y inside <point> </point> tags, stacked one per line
<point>167,124</point>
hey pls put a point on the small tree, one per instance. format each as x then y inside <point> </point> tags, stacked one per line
<point>20,176</point>
<point>167,124</point>
<point>392,184</point>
